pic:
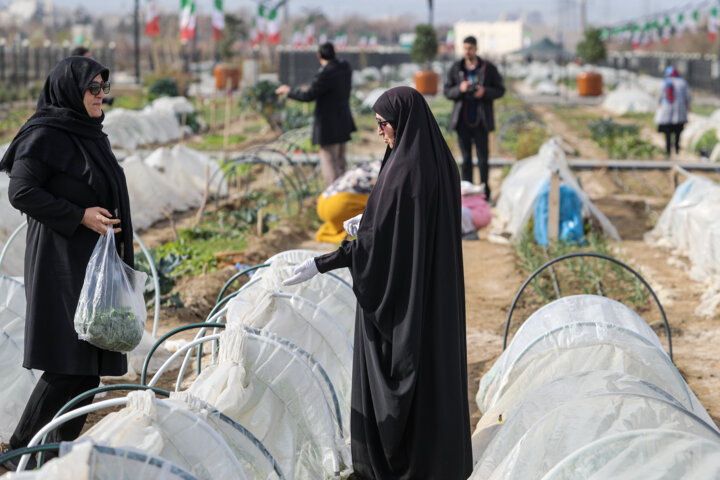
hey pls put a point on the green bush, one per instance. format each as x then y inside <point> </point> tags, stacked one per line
<point>163,87</point>
<point>425,47</point>
<point>261,97</point>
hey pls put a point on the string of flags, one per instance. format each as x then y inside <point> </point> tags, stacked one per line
<point>666,26</point>
<point>265,27</point>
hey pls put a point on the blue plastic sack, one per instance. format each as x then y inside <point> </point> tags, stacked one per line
<point>571,223</point>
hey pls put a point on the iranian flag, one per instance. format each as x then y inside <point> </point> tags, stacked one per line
<point>450,40</point>
<point>187,20</point>
<point>680,24</point>
<point>692,21</point>
<point>259,25</point>
<point>341,39</point>
<point>645,39</point>
<point>372,41</point>
<point>636,37</point>
<point>655,30</point>
<point>218,19</point>
<point>666,30</point>
<point>323,37</point>
<point>152,19</point>
<point>273,28</point>
<point>254,33</point>
<point>362,43</point>
<point>712,25</point>
<point>297,38</point>
<point>310,31</point>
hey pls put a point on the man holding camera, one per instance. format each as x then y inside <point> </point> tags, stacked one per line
<point>473,84</point>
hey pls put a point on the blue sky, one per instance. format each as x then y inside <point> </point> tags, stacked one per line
<point>446,11</point>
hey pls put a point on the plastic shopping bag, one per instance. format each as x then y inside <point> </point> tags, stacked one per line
<point>111,310</point>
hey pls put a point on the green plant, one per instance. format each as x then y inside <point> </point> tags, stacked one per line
<point>580,275</point>
<point>591,48</point>
<point>261,98</point>
<point>235,29</point>
<point>707,142</point>
<point>621,141</point>
<point>163,87</point>
<point>425,47</point>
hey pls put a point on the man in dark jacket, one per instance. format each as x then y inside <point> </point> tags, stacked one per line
<point>473,83</point>
<point>330,89</point>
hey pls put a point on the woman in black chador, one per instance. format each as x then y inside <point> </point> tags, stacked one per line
<point>65,178</point>
<point>410,417</point>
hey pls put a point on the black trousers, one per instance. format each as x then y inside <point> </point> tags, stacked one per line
<point>669,143</point>
<point>51,392</point>
<point>479,135</point>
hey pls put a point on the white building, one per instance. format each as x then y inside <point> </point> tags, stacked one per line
<point>496,39</point>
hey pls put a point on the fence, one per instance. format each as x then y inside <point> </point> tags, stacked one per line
<point>298,67</point>
<point>700,73</point>
<point>21,64</point>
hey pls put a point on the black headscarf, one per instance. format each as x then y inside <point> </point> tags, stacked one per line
<point>61,107</point>
<point>409,414</point>
<point>60,104</point>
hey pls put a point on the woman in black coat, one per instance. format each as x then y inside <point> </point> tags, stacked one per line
<point>65,178</point>
<point>410,416</point>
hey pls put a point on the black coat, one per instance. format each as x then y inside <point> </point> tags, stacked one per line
<point>494,89</point>
<point>330,89</point>
<point>410,416</point>
<point>60,164</point>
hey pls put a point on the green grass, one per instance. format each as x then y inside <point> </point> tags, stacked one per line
<point>705,110</point>
<point>216,141</point>
<point>578,275</point>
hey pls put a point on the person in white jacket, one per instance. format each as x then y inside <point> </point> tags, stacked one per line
<point>671,115</point>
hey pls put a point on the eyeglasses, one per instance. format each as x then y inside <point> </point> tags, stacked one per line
<point>95,88</point>
<point>381,123</point>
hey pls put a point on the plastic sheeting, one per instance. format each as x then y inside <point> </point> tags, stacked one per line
<point>17,382</point>
<point>520,413</point>
<point>690,224</point>
<point>327,291</point>
<point>308,326</point>
<point>169,431</point>
<point>84,461</point>
<point>156,123</point>
<point>296,257</point>
<point>578,333</point>
<point>523,184</point>
<point>642,455</point>
<point>10,219</point>
<point>561,312</point>
<point>529,454</point>
<point>629,99</point>
<point>256,460</point>
<point>271,391</point>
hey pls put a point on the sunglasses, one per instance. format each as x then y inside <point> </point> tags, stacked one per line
<point>381,123</point>
<point>95,88</point>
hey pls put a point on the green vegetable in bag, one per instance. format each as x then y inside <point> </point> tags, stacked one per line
<point>114,329</point>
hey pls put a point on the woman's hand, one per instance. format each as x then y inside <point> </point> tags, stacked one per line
<point>98,219</point>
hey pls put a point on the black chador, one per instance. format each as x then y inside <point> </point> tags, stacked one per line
<point>410,417</point>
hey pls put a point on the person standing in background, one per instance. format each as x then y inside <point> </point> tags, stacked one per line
<point>330,89</point>
<point>671,115</point>
<point>473,83</point>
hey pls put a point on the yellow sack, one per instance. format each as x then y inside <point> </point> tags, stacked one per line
<point>334,211</point>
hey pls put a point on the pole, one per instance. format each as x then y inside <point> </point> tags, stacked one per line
<point>430,12</point>
<point>137,41</point>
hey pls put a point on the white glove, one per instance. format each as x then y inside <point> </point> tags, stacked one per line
<point>351,225</point>
<point>305,271</point>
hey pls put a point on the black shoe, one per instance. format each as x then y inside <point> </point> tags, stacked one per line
<point>13,463</point>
